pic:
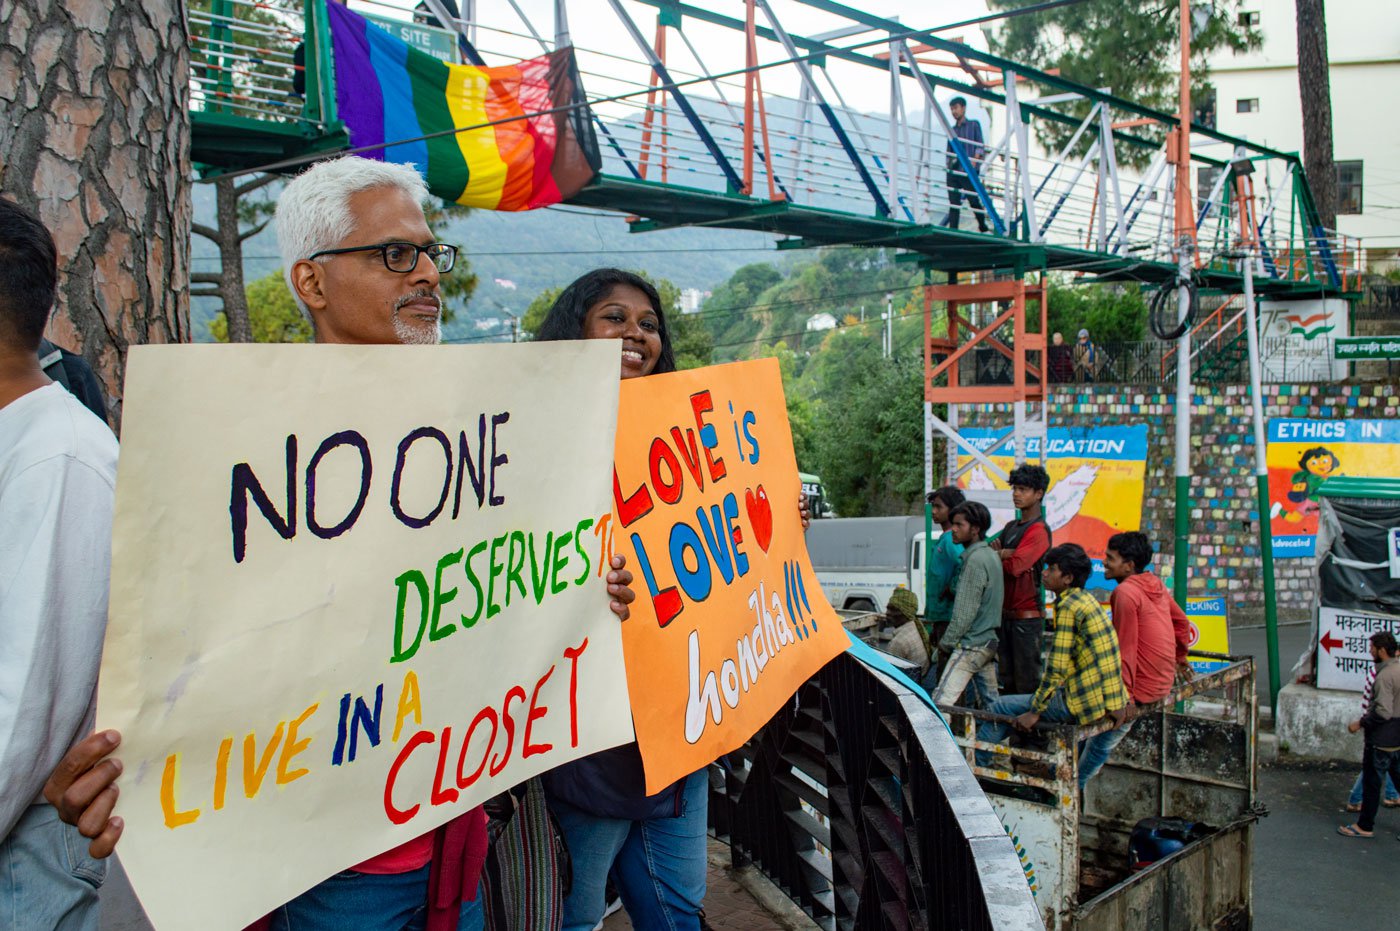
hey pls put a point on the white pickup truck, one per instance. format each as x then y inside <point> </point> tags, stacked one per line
<point>860,561</point>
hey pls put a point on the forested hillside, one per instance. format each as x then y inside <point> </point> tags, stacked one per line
<point>534,251</point>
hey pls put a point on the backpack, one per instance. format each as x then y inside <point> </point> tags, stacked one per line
<point>75,375</point>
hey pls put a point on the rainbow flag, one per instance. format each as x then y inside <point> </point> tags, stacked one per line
<point>386,91</point>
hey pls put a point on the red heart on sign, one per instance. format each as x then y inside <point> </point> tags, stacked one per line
<point>760,516</point>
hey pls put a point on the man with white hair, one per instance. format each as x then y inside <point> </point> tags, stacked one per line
<point>364,267</point>
<point>353,240</point>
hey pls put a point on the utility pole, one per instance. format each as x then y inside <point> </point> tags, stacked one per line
<point>1185,257</point>
<point>1244,199</point>
<point>928,450</point>
<point>888,335</point>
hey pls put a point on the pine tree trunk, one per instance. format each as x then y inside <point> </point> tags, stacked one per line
<point>230,243</point>
<point>1315,88</point>
<point>94,136</point>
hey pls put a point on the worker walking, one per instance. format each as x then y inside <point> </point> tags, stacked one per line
<point>1381,722</point>
<point>969,135</point>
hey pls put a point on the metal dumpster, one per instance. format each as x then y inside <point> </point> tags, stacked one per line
<point>1191,756</point>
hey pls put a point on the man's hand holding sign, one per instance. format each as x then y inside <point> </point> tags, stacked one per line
<point>729,620</point>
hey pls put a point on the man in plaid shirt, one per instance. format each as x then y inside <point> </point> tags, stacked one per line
<point>1083,678</point>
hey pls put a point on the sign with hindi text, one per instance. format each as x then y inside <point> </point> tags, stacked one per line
<point>1344,646</point>
<point>355,592</point>
<point>1349,348</point>
<point>729,620</point>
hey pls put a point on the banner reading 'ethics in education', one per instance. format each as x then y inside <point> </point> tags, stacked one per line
<point>1302,454</point>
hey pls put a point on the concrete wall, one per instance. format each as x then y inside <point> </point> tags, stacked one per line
<point>1313,722</point>
<point>1224,518</point>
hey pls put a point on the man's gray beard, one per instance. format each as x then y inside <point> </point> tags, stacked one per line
<point>410,335</point>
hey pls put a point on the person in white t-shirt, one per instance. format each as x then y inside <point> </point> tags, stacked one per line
<point>58,465</point>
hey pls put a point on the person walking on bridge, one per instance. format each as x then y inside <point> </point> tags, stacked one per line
<point>969,135</point>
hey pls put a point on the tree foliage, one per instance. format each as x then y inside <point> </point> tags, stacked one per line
<point>856,416</point>
<point>273,314</point>
<point>239,216</point>
<point>1131,47</point>
<point>1111,313</point>
<point>759,306</point>
<point>867,433</point>
<point>539,308</point>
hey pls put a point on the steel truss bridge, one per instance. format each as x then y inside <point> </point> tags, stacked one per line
<point>857,152</point>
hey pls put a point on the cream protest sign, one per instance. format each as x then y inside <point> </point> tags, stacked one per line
<point>729,620</point>
<point>355,592</point>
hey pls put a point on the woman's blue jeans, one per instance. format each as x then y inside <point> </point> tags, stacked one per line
<point>658,865</point>
<point>369,901</point>
<point>1355,797</point>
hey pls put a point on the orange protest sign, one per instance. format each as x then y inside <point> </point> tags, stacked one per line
<point>729,620</point>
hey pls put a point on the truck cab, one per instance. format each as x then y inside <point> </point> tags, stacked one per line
<point>860,561</point>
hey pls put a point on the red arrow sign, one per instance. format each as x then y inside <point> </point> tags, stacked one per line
<point>1328,641</point>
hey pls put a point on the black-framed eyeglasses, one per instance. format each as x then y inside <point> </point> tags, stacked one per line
<point>402,257</point>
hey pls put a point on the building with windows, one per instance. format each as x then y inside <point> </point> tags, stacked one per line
<point>1257,96</point>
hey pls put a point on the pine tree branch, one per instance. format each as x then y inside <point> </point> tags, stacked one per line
<point>254,230</point>
<point>254,185</point>
<point>208,232</point>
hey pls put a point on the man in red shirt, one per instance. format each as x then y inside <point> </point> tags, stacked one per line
<point>1153,634</point>
<point>1022,545</point>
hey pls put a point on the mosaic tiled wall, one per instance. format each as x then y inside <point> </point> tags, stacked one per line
<point>1224,518</point>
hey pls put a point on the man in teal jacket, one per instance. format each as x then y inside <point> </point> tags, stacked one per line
<point>971,638</point>
<point>944,556</point>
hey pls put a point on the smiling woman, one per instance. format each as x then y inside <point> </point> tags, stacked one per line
<point>653,846</point>
<point>609,303</point>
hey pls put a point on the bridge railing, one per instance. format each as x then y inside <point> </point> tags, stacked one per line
<point>247,60</point>
<point>1380,300</point>
<point>879,151</point>
<point>856,802</point>
<point>1285,360</point>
